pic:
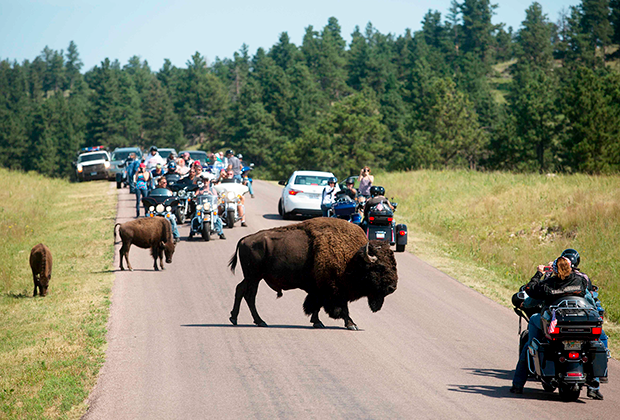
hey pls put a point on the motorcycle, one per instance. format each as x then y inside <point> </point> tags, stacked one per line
<point>230,193</point>
<point>345,208</point>
<point>185,193</point>
<point>160,202</point>
<point>379,225</point>
<point>203,222</point>
<point>571,353</point>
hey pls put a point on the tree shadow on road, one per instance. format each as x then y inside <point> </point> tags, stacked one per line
<point>292,327</point>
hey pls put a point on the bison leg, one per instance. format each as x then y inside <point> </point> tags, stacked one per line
<point>312,306</point>
<point>161,259</point>
<point>348,322</point>
<point>340,310</point>
<point>125,253</point>
<point>247,291</point>
<point>155,253</point>
<point>36,284</point>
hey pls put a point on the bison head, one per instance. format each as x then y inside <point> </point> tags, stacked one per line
<point>377,266</point>
<point>168,250</point>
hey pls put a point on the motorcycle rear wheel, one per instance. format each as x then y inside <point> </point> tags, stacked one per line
<point>568,394</point>
<point>400,248</point>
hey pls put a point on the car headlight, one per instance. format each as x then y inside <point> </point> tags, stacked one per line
<point>231,195</point>
<point>79,168</point>
<point>106,164</point>
<point>151,208</point>
<point>199,207</point>
<point>160,208</point>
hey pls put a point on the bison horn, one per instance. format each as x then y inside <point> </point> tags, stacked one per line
<point>369,258</point>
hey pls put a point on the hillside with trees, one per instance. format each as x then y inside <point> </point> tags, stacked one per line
<point>424,99</point>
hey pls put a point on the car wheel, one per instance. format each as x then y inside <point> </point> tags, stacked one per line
<point>118,185</point>
<point>280,212</point>
<point>400,248</point>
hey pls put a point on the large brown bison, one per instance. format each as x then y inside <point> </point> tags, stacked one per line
<point>331,259</point>
<point>147,232</point>
<point>41,265</point>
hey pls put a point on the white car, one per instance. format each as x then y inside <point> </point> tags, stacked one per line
<point>302,193</point>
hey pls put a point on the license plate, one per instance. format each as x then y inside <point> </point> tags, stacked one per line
<point>93,173</point>
<point>314,195</point>
<point>380,235</point>
<point>572,345</point>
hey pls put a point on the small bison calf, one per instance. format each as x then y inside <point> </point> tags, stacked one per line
<point>41,264</point>
<point>147,232</point>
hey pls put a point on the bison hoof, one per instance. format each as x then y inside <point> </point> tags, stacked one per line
<point>233,320</point>
<point>261,324</point>
<point>122,268</point>
<point>352,327</point>
<point>318,324</point>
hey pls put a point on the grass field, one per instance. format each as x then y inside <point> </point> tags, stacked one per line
<point>51,348</point>
<point>491,230</point>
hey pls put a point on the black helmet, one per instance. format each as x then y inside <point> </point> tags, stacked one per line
<point>376,190</point>
<point>572,255</point>
<point>332,179</point>
<point>153,148</point>
<point>172,166</point>
<point>349,181</point>
<point>229,152</point>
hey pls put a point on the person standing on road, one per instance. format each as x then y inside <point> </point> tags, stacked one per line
<point>141,181</point>
<point>234,164</point>
<point>366,181</point>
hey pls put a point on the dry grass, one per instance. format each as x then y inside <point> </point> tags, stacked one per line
<point>51,348</point>
<point>490,230</point>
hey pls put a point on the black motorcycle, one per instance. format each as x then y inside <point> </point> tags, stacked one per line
<point>379,225</point>
<point>160,202</point>
<point>571,354</point>
<point>184,191</point>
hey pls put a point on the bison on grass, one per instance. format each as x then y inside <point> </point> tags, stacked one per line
<point>41,265</point>
<point>148,232</point>
<point>330,259</point>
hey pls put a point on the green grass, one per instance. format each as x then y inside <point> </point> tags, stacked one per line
<point>51,348</point>
<point>491,230</point>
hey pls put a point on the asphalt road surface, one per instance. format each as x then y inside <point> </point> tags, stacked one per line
<point>437,349</point>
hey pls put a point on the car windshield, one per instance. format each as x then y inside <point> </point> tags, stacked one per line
<point>94,156</point>
<point>311,180</point>
<point>124,154</point>
<point>165,152</point>
<point>201,156</point>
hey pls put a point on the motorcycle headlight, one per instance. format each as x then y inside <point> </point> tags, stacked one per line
<point>199,207</point>
<point>151,208</point>
<point>160,208</point>
<point>230,195</point>
<point>207,207</point>
<point>168,208</point>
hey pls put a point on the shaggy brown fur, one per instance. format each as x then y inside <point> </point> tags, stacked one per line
<point>329,258</point>
<point>41,265</point>
<point>147,232</point>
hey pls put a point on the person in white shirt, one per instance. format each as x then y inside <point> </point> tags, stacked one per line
<point>153,159</point>
<point>329,194</point>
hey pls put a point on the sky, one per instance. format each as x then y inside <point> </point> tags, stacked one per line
<point>158,29</point>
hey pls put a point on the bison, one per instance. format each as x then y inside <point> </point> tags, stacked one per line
<point>147,232</point>
<point>330,259</point>
<point>41,265</point>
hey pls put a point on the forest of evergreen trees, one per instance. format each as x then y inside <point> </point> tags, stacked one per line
<point>435,98</point>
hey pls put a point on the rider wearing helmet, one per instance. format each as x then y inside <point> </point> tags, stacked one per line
<point>329,195</point>
<point>172,167</point>
<point>350,188</point>
<point>376,197</point>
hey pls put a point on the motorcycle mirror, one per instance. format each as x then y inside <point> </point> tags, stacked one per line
<point>281,182</point>
<point>251,165</point>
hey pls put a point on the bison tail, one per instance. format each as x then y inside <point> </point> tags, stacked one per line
<point>233,261</point>
<point>118,224</point>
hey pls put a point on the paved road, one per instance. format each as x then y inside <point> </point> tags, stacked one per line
<point>437,349</point>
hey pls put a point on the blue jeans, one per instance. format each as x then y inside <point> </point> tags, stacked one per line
<point>238,178</point>
<point>140,194</point>
<point>521,371</point>
<point>250,190</point>
<point>217,224</point>
<point>175,229</point>
<point>325,208</point>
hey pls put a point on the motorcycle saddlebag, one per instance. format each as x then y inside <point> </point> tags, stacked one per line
<point>380,217</point>
<point>540,362</point>
<point>344,209</point>
<point>598,355</point>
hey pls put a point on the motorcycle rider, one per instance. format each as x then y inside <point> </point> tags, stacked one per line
<point>142,178</point>
<point>329,195</point>
<point>207,189</point>
<point>229,175</point>
<point>163,183</point>
<point>376,197</point>
<point>153,159</point>
<point>234,164</point>
<point>156,174</point>
<point>563,282</point>
<point>350,189</point>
